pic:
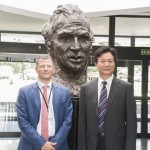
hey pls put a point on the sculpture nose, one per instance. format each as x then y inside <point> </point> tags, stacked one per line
<point>75,45</point>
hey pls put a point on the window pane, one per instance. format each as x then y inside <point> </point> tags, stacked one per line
<point>13,75</point>
<point>9,143</point>
<point>137,80</point>
<point>142,42</point>
<point>99,25</point>
<point>131,71</point>
<point>122,41</point>
<point>129,26</point>
<point>148,116</point>
<point>22,38</point>
<point>149,79</point>
<point>92,73</point>
<point>101,41</point>
<point>8,117</point>
<point>138,107</point>
<point>122,73</point>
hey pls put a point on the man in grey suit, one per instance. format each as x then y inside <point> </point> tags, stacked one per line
<point>107,123</point>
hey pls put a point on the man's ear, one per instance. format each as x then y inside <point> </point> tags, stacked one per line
<point>54,71</point>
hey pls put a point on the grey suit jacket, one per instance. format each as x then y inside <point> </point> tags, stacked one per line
<point>120,118</point>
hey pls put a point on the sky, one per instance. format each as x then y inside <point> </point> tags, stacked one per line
<point>48,6</point>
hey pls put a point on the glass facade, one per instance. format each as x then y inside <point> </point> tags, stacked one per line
<point>9,143</point>
<point>17,70</point>
<point>132,26</point>
<point>22,38</point>
<point>122,41</point>
<point>13,75</point>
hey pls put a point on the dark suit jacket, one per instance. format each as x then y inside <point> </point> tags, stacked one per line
<point>120,118</point>
<point>28,112</point>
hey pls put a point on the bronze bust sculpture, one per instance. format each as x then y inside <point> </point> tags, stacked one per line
<point>68,38</point>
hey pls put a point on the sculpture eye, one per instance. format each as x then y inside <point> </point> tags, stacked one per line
<point>84,37</point>
<point>65,37</point>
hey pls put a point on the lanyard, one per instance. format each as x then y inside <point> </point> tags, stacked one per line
<point>44,97</point>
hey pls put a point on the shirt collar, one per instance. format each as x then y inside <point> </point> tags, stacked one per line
<point>109,80</point>
<point>40,84</point>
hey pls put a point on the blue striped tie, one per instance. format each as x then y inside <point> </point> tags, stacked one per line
<point>102,107</point>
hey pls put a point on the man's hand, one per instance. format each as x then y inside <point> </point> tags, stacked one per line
<point>49,146</point>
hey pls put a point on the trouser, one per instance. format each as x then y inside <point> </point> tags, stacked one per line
<point>101,143</point>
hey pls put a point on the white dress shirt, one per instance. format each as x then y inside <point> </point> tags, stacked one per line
<point>51,117</point>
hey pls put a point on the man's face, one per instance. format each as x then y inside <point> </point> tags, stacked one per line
<point>71,46</point>
<point>44,69</point>
<point>105,65</point>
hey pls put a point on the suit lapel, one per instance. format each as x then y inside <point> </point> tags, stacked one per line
<point>36,95</point>
<point>113,91</point>
<point>94,95</point>
<point>55,99</point>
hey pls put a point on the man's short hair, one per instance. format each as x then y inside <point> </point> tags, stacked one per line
<point>43,57</point>
<point>103,50</point>
<point>63,15</point>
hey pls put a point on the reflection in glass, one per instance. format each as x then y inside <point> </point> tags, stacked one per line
<point>13,75</point>
<point>22,38</point>
<point>148,116</point>
<point>149,79</point>
<point>137,80</point>
<point>92,73</point>
<point>18,57</point>
<point>9,143</point>
<point>122,73</point>
<point>99,25</point>
<point>122,41</point>
<point>100,41</point>
<point>138,110</point>
<point>8,117</point>
<point>129,26</point>
<point>142,42</point>
<point>131,70</point>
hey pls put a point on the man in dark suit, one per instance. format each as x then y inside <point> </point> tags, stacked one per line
<point>33,105</point>
<point>107,122</point>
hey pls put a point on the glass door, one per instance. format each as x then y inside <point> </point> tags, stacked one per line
<point>148,95</point>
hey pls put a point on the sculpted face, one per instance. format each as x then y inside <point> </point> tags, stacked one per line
<point>68,38</point>
<point>71,45</point>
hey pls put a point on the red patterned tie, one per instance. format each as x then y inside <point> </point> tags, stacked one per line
<point>44,117</point>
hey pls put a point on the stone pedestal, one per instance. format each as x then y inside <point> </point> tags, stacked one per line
<point>73,136</point>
